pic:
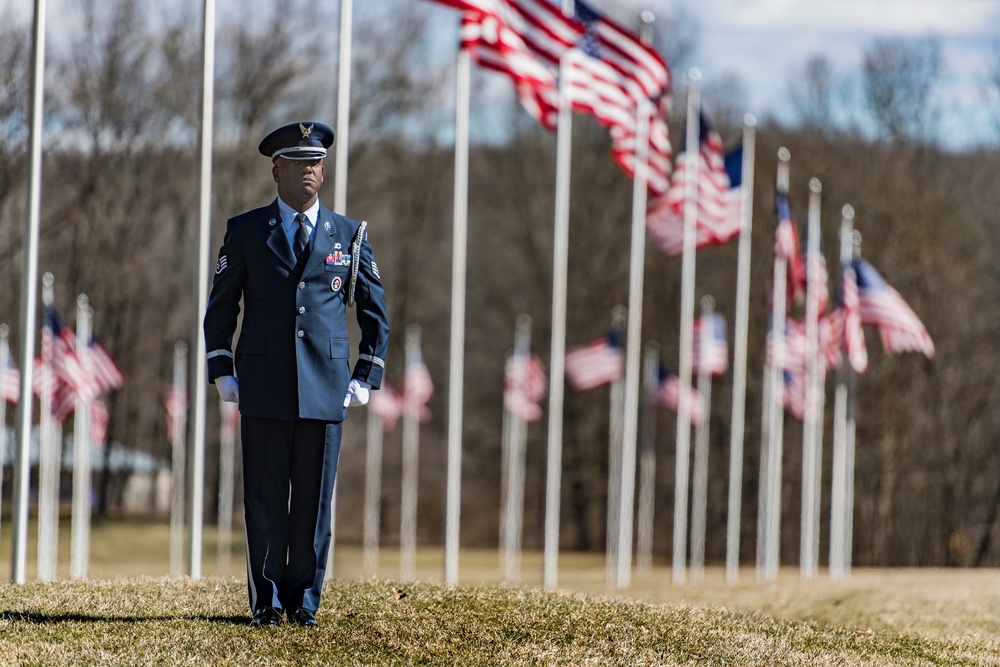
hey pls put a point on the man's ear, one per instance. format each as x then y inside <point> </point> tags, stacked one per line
<point>274,172</point>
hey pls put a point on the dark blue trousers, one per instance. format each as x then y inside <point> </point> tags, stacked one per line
<point>288,472</point>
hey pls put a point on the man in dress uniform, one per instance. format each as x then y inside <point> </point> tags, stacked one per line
<point>297,267</point>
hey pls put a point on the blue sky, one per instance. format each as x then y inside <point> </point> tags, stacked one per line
<point>763,41</point>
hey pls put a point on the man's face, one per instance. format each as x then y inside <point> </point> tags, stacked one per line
<point>298,180</point>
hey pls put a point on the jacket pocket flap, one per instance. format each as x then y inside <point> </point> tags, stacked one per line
<point>340,348</point>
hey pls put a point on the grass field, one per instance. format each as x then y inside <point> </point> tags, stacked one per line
<point>132,612</point>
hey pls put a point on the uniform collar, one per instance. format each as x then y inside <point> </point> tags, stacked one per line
<point>288,215</point>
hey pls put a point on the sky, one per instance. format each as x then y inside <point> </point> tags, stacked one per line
<point>764,41</point>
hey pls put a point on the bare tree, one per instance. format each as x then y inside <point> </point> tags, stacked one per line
<point>900,78</point>
<point>811,93</point>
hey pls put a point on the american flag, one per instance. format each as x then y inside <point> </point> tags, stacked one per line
<point>417,389</point>
<point>102,371</point>
<point>98,422</point>
<point>597,363</point>
<point>10,379</point>
<point>718,198</point>
<point>492,43</point>
<point>879,304</point>
<point>387,404</point>
<point>524,386</point>
<point>786,246</point>
<point>610,70</point>
<point>714,356</point>
<point>790,357</point>
<point>59,350</point>
<point>854,336</point>
<point>667,394</point>
<point>175,403</point>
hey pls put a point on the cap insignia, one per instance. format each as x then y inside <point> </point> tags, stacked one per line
<point>306,131</point>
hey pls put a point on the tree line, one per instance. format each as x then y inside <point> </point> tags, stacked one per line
<point>119,218</point>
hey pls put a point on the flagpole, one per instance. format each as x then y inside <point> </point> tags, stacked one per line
<point>227,471</point>
<point>811,461</point>
<point>682,460</point>
<point>411,452</point>
<point>80,524</point>
<point>4,370</point>
<point>29,305</point>
<point>373,492</point>
<point>616,416</point>
<point>647,462</point>
<point>740,336</point>
<point>699,482</point>
<point>179,455</point>
<point>343,111</point>
<point>340,192</point>
<point>205,227</point>
<point>849,443</point>
<point>838,484</point>
<point>560,261</point>
<point>48,458</point>
<point>769,541</point>
<point>633,349</point>
<point>515,433</point>
<point>457,354</point>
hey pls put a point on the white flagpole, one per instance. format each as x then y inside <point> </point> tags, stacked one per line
<point>80,526</point>
<point>48,461</point>
<point>343,111</point>
<point>740,336</point>
<point>811,452</point>
<point>647,463</point>
<point>771,466</point>
<point>340,193</point>
<point>838,484</point>
<point>560,261</point>
<point>29,305</point>
<point>616,414</point>
<point>373,492</point>
<point>699,482</point>
<point>682,460</point>
<point>515,435</point>
<point>411,450</point>
<point>205,226</point>
<point>457,354</point>
<point>633,351</point>
<point>849,446</point>
<point>179,458</point>
<point>227,472</point>
<point>4,369</point>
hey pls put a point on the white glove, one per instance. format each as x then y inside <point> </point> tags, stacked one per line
<point>229,388</point>
<point>357,393</point>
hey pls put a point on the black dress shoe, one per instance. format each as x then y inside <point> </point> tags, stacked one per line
<point>304,617</point>
<point>266,617</point>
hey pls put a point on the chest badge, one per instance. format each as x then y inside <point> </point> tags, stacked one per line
<point>336,284</point>
<point>338,258</point>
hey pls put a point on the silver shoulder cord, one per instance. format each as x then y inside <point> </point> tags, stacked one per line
<point>355,261</point>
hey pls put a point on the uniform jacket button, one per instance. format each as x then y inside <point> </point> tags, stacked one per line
<point>302,285</point>
<point>302,309</point>
<point>301,333</point>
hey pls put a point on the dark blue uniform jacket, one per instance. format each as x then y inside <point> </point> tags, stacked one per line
<point>292,358</point>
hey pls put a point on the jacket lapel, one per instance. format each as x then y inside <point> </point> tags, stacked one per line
<point>323,239</point>
<point>276,239</point>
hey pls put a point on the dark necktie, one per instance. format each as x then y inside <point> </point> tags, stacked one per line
<point>301,236</point>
